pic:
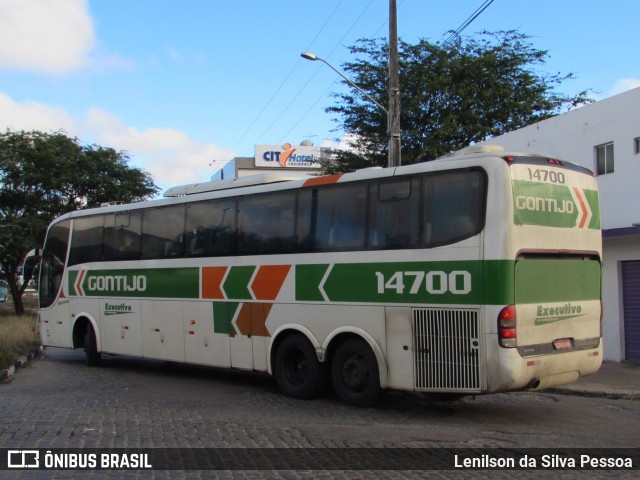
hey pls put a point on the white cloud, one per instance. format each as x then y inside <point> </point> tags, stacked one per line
<point>344,143</point>
<point>32,115</point>
<point>53,36</point>
<point>623,85</point>
<point>170,155</point>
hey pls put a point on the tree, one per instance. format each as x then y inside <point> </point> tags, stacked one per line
<point>42,176</point>
<point>452,96</point>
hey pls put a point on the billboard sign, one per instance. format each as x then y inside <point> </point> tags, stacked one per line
<point>288,156</point>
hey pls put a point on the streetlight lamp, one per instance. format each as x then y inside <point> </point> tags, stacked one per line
<point>393,138</point>
<point>314,57</point>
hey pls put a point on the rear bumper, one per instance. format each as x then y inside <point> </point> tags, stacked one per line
<point>542,371</point>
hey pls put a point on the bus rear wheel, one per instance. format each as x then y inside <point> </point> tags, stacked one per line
<point>92,356</point>
<point>298,372</point>
<point>355,375</point>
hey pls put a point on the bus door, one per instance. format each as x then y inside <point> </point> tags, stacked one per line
<point>54,317</point>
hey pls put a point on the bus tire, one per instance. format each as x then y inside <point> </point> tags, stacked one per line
<point>298,372</point>
<point>355,375</point>
<point>91,354</point>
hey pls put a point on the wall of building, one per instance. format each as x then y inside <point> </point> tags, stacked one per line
<point>616,250</point>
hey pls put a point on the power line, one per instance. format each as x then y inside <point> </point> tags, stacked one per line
<point>282,84</point>
<point>338,43</point>
<point>467,22</point>
<point>328,56</point>
<point>449,39</point>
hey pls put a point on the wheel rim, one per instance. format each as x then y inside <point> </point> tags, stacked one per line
<point>296,367</point>
<point>355,374</point>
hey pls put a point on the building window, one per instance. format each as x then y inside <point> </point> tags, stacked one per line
<point>636,145</point>
<point>604,158</point>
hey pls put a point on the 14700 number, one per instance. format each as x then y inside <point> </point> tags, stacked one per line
<point>457,282</point>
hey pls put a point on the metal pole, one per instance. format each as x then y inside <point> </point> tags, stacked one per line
<point>393,118</point>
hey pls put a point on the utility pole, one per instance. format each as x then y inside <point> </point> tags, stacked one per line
<point>393,119</point>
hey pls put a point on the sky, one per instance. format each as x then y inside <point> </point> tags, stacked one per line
<point>185,86</point>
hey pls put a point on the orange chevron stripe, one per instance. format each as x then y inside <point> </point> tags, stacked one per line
<point>252,319</point>
<point>78,284</point>
<point>211,282</point>
<point>326,180</point>
<point>583,207</point>
<point>268,281</point>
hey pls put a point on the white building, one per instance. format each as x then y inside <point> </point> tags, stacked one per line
<point>604,137</point>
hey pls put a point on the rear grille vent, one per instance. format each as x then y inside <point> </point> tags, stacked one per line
<point>447,349</point>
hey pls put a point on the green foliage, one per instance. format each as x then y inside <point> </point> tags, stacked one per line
<point>42,176</point>
<point>451,96</point>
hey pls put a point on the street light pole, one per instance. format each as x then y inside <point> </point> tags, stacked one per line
<point>394,89</point>
<point>392,126</point>
<point>314,57</point>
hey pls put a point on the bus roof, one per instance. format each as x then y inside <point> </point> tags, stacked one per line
<point>264,182</point>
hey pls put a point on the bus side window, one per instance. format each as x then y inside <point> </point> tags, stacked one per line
<point>394,214</point>
<point>332,218</point>
<point>122,237</point>
<point>162,232</point>
<point>266,223</point>
<point>210,228</point>
<point>86,240</point>
<point>454,207</point>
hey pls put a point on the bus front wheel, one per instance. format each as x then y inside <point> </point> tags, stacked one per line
<point>298,372</point>
<point>92,356</point>
<point>354,372</point>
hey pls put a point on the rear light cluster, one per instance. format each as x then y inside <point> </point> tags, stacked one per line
<point>507,332</point>
<point>552,161</point>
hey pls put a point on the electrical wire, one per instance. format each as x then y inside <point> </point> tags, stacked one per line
<point>336,82</point>
<point>282,84</point>
<point>338,44</point>
<point>466,23</point>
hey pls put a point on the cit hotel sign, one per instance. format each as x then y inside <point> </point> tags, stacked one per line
<point>277,156</point>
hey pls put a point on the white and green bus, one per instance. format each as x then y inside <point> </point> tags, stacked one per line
<point>471,274</point>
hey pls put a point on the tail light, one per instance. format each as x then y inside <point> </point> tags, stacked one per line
<point>507,332</point>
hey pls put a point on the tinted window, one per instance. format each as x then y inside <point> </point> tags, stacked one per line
<point>54,257</point>
<point>122,236</point>
<point>86,240</point>
<point>162,232</point>
<point>453,206</point>
<point>394,214</point>
<point>266,223</point>
<point>332,218</point>
<point>210,228</point>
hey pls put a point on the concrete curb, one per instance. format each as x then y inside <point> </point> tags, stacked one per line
<point>6,374</point>
<point>596,393</point>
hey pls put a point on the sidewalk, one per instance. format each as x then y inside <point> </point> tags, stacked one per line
<point>613,380</point>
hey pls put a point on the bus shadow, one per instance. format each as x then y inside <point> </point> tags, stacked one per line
<point>159,375</point>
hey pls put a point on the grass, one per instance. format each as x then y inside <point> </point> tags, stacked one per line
<point>18,335</point>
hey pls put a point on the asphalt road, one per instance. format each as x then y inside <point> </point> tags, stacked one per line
<point>58,402</point>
